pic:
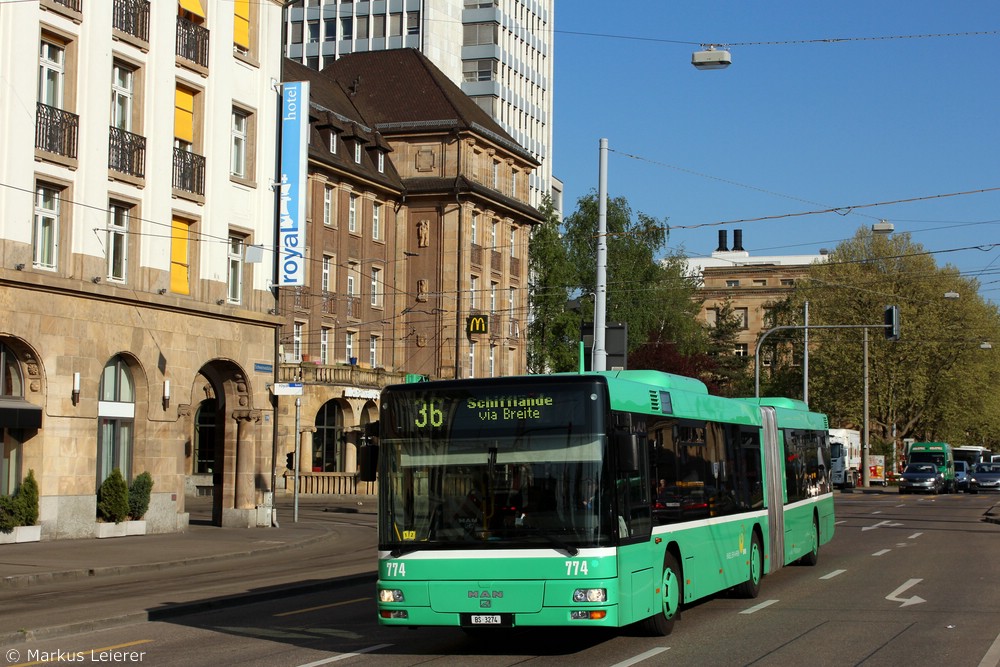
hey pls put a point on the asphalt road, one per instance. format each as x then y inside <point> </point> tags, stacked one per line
<point>907,580</point>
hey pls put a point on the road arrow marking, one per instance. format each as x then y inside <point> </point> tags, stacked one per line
<point>887,524</point>
<point>894,596</point>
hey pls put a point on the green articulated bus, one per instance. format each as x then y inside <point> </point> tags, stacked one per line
<point>588,499</point>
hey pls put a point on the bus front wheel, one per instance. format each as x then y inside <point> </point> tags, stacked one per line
<point>812,556</point>
<point>670,598</point>
<point>751,587</point>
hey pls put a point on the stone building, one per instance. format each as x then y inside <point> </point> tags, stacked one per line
<point>134,326</point>
<point>418,237</point>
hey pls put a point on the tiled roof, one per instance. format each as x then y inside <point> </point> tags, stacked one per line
<point>401,90</point>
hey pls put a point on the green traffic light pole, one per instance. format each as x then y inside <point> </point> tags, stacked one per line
<point>894,330</point>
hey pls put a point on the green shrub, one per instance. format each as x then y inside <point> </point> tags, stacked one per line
<point>112,498</point>
<point>138,495</point>
<point>8,514</point>
<point>26,501</point>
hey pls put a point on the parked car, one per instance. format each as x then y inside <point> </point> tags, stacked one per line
<point>985,477</point>
<point>962,473</point>
<point>921,477</point>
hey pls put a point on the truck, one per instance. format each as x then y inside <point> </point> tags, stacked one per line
<point>845,457</point>
<point>941,455</point>
<point>876,469</point>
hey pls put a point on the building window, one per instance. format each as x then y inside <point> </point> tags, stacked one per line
<point>238,161</point>
<point>349,347</point>
<point>357,152</point>
<point>787,282</point>
<point>493,235</point>
<point>381,162</point>
<point>329,442</point>
<point>376,221</point>
<point>474,229</point>
<point>742,318</point>
<point>493,361</point>
<point>732,283</point>
<point>361,28</point>
<point>472,359</point>
<point>204,438</point>
<point>495,174</point>
<point>352,214</point>
<point>513,184</point>
<point>493,297</point>
<point>51,74</point>
<point>479,70</point>
<point>235,269</point>
<point>122,96</point>
<point>11,386</point>
<point>325,277</point>
<point>332,142</point>
<point>328,205</point>
<point>116,414</point>
<point>324,346</point>
<point>477,34</point>
<point>297,329</point>
<point>346,28</point>
<point>413,23</point>
<point>740,350</point>
<point>180,256</point>
<point>712,317</point>
<point>760,282</point>
<point>373,351</point>
<point>243,26</point>
<point>513,241</point>
<point>46,230</point>
<point>119,215</point>
<point>395,24</point>
<point>473,288</point>
<point>378,26</point>
<point>376,275</point>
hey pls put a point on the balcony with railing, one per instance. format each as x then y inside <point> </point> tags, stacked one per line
<point>132,18</point>
<point>127,153</point>
<point>56,131</point>
<point>328,302</point>
<point>477,254</point>
<point>192,42</point>
<point>189,172</point>
<point>353,306</point>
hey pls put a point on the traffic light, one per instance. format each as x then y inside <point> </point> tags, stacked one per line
<point>290,460</point>
<point>892,322</point>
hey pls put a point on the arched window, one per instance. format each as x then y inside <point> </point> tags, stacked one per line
<point>11,382</point>
<point>204,437</point>
<point>329,443</point>
<point>116,415</point>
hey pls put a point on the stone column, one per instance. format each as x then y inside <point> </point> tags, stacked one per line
<point>246,457</point>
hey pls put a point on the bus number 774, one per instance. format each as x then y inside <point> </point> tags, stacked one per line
<point>575,568</point>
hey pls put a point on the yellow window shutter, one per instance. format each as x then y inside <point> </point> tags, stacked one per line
<point>184,115</point>
<point>179,276</point>
<point>241,23</point>
<point>193,6</point>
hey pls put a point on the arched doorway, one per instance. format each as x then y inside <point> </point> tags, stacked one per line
<point>116,420</point>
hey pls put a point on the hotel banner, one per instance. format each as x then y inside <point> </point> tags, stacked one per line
<point>292,197</point>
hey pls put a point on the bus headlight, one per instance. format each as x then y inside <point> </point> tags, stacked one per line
<point>590,595</point>
<point>390,595</point>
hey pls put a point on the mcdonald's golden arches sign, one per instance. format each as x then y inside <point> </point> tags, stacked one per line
<point>477,324</point>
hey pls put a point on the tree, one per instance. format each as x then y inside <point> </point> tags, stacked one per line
<point>931,384</point>
<point>554,329</point>
<point>647,287</point>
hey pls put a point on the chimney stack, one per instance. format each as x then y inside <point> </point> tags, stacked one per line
<point>738,240</point>
<point>722,241</point>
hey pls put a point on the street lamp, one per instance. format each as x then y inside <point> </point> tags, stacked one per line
<point>883,227</point>
<point>951,295</point>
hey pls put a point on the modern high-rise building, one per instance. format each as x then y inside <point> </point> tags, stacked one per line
<point>498,51</point>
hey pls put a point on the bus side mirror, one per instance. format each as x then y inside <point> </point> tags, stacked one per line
<point>367,462</point>
<point>627,447</point>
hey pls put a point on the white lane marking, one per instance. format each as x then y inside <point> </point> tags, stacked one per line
<point>894,596</point>
<point>833,574</point>
<point>887,524</point>
<point>914,536</point>
<point>642,656</point>
<point>882,552</point>
<point>755,608</point>
<point>345,656</point>
<point>877,512</point>
<point>992,657</point>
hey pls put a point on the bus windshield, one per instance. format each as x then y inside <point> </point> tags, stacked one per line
<point>927,457</point>
<point>502,464</point>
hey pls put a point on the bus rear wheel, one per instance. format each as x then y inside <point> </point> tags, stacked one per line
<point>812,556</point>
<point>751,587</point>
<point>670,598</point>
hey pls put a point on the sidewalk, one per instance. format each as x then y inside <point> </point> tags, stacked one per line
<point>58,560</point>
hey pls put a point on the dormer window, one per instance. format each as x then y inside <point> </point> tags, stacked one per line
<point>333,142</point>
<point>357,152</point>
<point>381,162</point>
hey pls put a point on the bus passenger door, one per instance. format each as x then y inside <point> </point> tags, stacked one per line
<point>773,459</point>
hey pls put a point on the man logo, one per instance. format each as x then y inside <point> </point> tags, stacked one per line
<point>477,324</point>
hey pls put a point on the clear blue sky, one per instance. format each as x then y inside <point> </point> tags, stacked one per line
<point>791,127</point>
